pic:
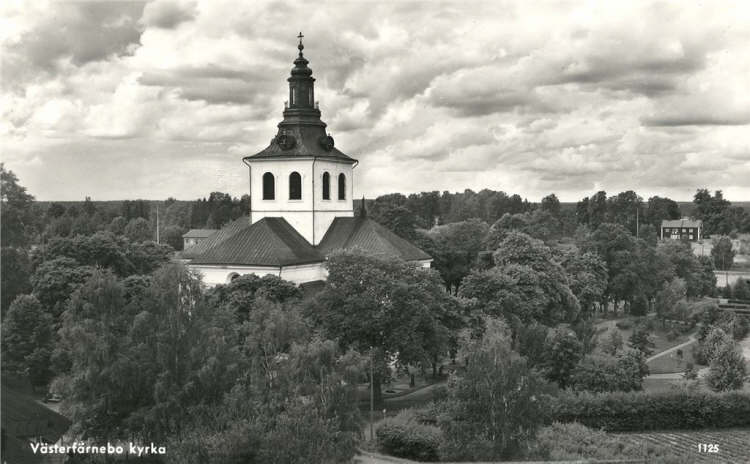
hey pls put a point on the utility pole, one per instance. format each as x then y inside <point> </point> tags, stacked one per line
<point>372,396</point>
<point>157,223</point>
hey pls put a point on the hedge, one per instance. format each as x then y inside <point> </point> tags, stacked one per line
<point>640,411</point>
<point>406,436</point>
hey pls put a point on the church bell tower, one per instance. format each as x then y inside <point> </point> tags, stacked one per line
<point>301,176</point>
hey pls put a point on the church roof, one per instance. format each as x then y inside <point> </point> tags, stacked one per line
<point>272,241</point>
<point>366,234</point>
<point>269,242</point>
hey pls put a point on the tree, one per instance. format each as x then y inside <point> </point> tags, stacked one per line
<point>172,236</point>
<point>563,350</point>
<point>587,274</point>
<point>138,230</point>
<point>530,340</point>
<point>727,368</point>
<point>455,247</point>
<point>54,281</point>
<point>642,340</point>
<point>494,407</point>
<point>659,209</point>
<point>400,220</point>
<point>240,294</point>
<point>612,343</point>
<point>531,263</point>
<point>15,269</point>
<point>386,307</point>
<point>671,293</point>
<point>16,216</point>
<point>712,210</point>
<point>551,204</point>
<point>27,340</point>
<point>617,247</point>
<point>722,253</point>
<point>696,273</point>
<point>624,209</point>
<point>606,373</point>
<point>117,226</point>
<point>741,290</point>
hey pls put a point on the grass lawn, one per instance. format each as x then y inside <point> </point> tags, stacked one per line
<point>661,341</point>
<point>672,362</point>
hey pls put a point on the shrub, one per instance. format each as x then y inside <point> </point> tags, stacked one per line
<point>624,324</point>
<point>405,436</point>
<point>638,411</point>
<point>558,442</point>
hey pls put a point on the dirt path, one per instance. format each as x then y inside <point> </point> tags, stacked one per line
<point>671,350</point>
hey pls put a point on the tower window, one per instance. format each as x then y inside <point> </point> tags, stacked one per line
<point>295,186</point>
<point>342,187</point>
<point>310,95</point>
<point>326,186</point>
<point>269,187</point>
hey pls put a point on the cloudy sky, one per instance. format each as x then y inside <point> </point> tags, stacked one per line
<point>119,100</point>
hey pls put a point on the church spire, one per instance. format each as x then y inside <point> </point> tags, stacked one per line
<point>302,87</point>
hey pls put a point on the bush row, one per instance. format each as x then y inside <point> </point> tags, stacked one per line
<point>639,411</point>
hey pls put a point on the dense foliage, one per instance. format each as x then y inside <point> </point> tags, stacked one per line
<point>624,412</point>
<point>406,436</point>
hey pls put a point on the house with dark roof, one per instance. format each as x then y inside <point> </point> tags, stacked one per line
<point>194,236</point>
<point>682,229</point>
<point>301,204</point>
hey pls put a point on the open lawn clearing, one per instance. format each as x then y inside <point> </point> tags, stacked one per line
<point>670,361</point>
<point>660,336</point>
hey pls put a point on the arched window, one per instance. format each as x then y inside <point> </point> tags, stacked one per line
<point>326,186</point>
<point>269,187</point>
<point>295,186</point>
<point>342,187</point>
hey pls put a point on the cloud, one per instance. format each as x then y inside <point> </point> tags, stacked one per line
<point>527,97</point>
<point>51,34</point>
<point>167,14</point>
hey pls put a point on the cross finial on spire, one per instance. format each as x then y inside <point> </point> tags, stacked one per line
<point>300,46</point>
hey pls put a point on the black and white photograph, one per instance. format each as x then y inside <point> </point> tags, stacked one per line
<point>375,231</point>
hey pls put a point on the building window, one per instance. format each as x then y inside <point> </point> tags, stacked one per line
<point>295,186</point>
<point>326,186</point>
<point>342,187</point>
<point>310,95</point>
<point>269,187</point>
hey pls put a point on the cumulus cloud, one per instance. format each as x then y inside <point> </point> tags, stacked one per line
<point>167,14</point>
<point>521,96</point>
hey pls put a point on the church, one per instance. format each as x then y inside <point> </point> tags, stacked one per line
<point>301,204</point>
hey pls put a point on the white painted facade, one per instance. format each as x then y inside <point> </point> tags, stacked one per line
<point>214,274</point>
<point>220,274</point>
<point>311,215</point>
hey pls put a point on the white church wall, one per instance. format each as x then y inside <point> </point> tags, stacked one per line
<point>218,274</point>
<point>312,215</point>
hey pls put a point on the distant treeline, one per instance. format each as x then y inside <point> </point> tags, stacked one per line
<point>400,212</point>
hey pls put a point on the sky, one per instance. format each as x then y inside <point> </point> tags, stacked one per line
<point>124,100</point>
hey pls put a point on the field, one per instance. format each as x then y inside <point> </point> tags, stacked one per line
<point>733,445</point>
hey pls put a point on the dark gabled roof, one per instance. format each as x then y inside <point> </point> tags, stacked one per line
<point>684,222</point>
<point>198,233</point>
<point>364,233</point>
<point>217,237</point>
<point>269,242</point>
